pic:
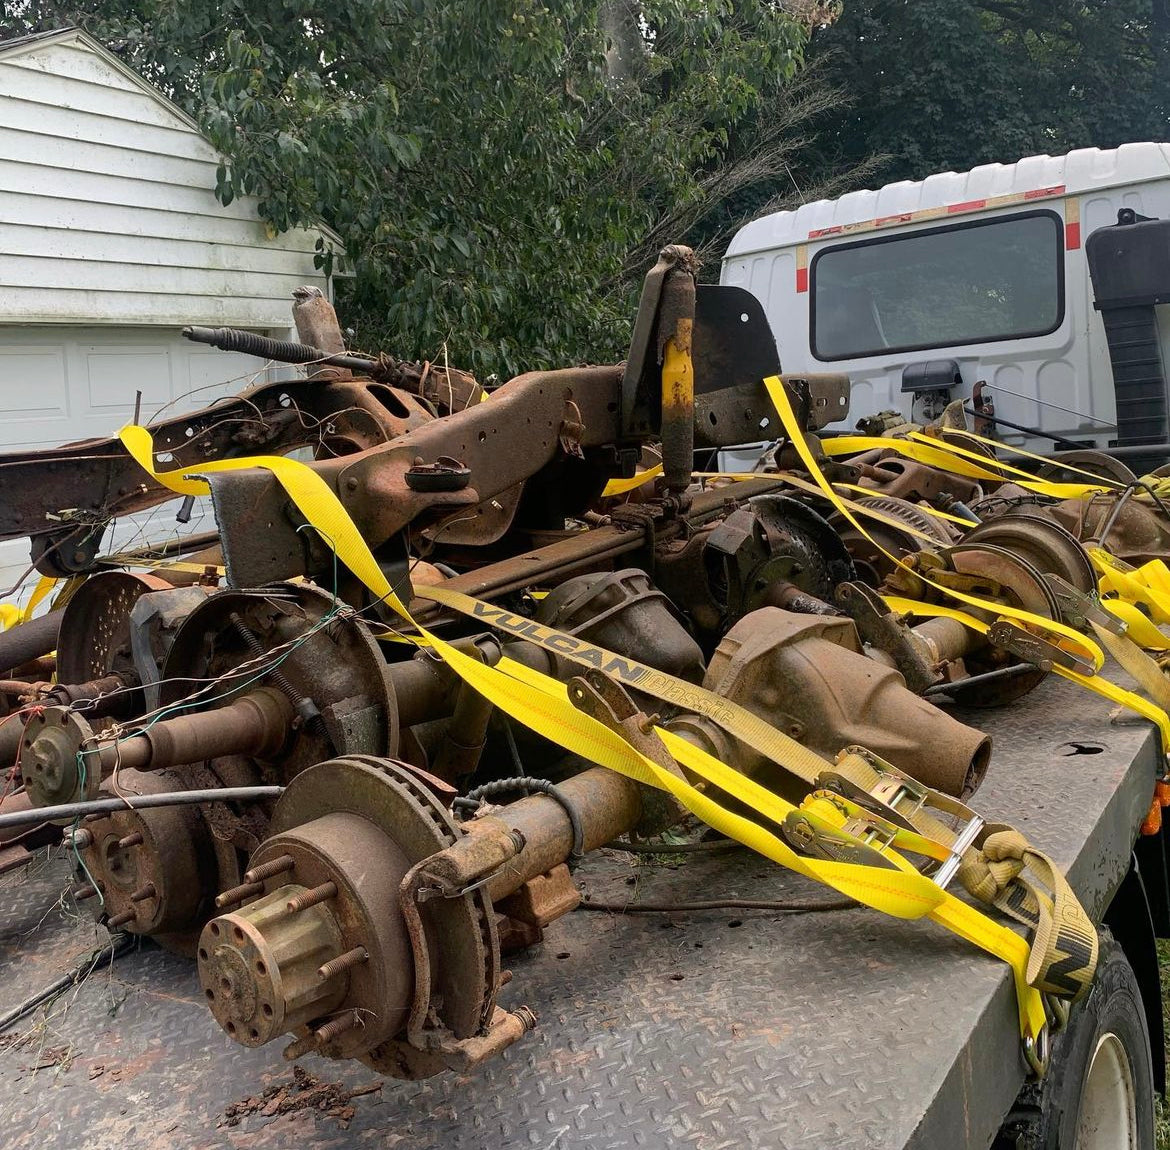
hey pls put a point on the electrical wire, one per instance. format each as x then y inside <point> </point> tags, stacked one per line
<point>120,944</point>
<point>245,668</point>
<point>153,717</point>
<point>82,776</point>
<point>266,663</point>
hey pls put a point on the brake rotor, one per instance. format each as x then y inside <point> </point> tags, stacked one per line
<point>327,662</point>
<point>1095,462</point>
<point>869,553</point>
<point>325,939</point>
<point>1043,543</point>
<point>1018,584</point>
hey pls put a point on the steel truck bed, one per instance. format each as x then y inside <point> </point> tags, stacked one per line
<point>702,1029</point>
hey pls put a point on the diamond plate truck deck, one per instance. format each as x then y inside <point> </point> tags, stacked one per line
<point>702,1030</point>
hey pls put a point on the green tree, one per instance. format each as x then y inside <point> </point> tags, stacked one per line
<point>501,171</point>
<point>948,84</point>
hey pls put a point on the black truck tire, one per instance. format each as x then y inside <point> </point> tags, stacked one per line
<point>1099,1089</point>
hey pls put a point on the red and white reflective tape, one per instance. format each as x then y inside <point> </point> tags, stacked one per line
<point>940,213</point>
<point>1072,224</point>
<point>1072,221</point>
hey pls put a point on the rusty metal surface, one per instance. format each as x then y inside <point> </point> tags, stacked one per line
<point>1134,530</point>
<point>870,554</point>
<point>847,1030</point>
<point>608,805</point>
<point>337,667</point>
<point>589,550</point>
<point>528,411</point>
<point>899,478</point>
<point>96,621</point>
<point>624,612</point>
<point>806,675</point>
<point>156,867</point>
<point>97,479</point>
<point>411,826</point>
<point>1050,548</point>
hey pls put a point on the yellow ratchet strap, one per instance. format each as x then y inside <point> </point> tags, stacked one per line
<point>1136,588</point>
<point>1049,917</point>
<point>13,616</point>
<point>1128,654</point>
<point>1137,623</point>
<point>1097,482</point>
<point>1061,635</point>
<point>153,564</point>
<point>1017,474</point>
<point>1095,683</point>
<point>1158,485</point>
<point>960,460</point>
<point>624,486</point>
<point>1100,482</point>
<point>949,457</point>
<point>1147,586</point>
<point>542,703</point>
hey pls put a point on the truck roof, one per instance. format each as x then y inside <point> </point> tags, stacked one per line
<point>987,186</point>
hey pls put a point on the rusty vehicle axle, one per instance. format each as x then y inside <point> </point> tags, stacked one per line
<point>400,832</point>
<point>315,942</point>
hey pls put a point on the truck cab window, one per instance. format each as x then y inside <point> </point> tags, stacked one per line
<point>943,287</point>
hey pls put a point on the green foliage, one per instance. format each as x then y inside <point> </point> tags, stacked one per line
<point>949,84</point>
<point>501,172</point>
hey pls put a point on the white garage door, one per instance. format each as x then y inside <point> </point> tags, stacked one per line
<point>62,384</point>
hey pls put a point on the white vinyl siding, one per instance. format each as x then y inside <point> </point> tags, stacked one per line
<point>111,240</point>
<point>107,209</point>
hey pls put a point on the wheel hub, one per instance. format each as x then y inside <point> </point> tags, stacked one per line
<point>154,865</point>
<point>322,949</point>
<point>51,763</point>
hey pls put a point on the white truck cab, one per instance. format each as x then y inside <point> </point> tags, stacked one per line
<point>921,291</point>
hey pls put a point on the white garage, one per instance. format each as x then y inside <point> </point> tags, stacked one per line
<point>111,240</point>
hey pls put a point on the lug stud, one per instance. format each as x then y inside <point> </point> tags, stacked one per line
<point>343,962</point>
<point>311,897</point>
